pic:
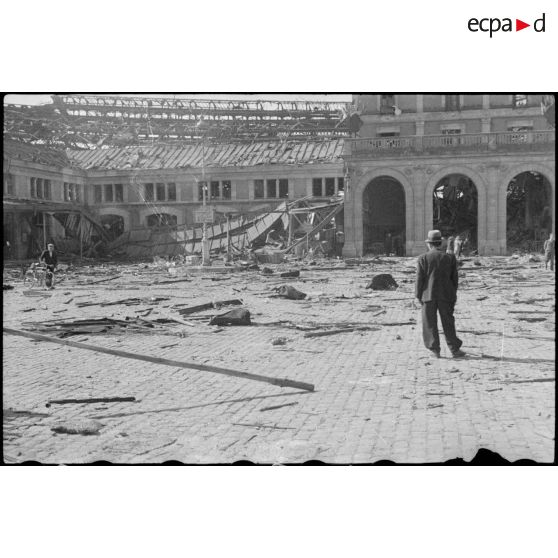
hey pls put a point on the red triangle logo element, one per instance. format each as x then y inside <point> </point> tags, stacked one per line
<point>519,25</point>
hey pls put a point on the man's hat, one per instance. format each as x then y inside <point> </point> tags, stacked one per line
<point>434,237</point>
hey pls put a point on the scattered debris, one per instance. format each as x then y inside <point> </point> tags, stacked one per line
<point>83,427</point>
<point>342,330</point>
<point>530,381</point>
<point>279,341</point>
<point>237,317</point>
<point>90,400</point>
<point>209,306</point>
<point>263,426</point>
<point>287,291</point>
<point>293,273</point>
<point>278,406</point>
<point>382,282</point>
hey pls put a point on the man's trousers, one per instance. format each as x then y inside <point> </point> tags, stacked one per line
<point>430,334</point>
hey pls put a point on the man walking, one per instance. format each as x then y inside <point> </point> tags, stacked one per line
<point>436,289</point>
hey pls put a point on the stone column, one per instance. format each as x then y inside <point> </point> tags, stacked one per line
<point>488,213</point>
<point>485,123</point>
<point>486,102</point>
<point>352,218</point>
<point>420,103</point>
<point>416,246</point>
<point>420,128</point>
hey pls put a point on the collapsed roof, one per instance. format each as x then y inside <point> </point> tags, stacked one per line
<point>90,121</point>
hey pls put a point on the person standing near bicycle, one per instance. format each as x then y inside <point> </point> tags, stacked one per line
<point>50,259</point>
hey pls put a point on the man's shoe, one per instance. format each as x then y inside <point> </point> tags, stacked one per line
<point>435,354</point>
<point>459,354</point>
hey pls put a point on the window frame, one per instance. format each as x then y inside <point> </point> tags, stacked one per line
<point>259,185</point>
<point>71,192</point>
<point>452,103</point>
<point>271,185</point>
<point>337,181</point>
<point>384,108</point>
<point>520,97</point>
<point>9,184</point>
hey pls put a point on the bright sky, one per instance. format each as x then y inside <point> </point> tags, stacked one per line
<point>37,99</point>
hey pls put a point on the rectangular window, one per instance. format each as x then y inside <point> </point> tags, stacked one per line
<point>8,184</point>
<point>109,197</point>
<point>214,190</point>
<point>452,103</point>
<point>118,193</point>
<point>48,189</point>
<point>317,187</point>
<point>148,194</point>
<point>160,191</point>
<point>519,101</point>
<point>98,192</point>
<point>387,103</point>
<point>226,189</point>
<point>68,191</point>
<point>202,186</point>
<point>272,188</point>
<point>330,186</point>
<point>33,186</point>
<point>283,188</point>
<point>171,191</point>
<point>258,188</point>
<point>40,191</point>
<point>340,184</point>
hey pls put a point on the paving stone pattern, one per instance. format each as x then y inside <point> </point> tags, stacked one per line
<point>379,394</point>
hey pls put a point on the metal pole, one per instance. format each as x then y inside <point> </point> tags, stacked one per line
<point>228,238</point>
<point>44,231</point>
<point>205,247</point>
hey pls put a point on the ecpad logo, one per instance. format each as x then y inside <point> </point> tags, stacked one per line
<point>494,24</point>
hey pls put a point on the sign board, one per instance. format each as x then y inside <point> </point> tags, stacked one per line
<point>206,215</point>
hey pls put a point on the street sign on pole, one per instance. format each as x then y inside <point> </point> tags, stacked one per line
<point>205,215</point>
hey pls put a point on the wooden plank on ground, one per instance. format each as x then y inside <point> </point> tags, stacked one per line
<point>281,382</point>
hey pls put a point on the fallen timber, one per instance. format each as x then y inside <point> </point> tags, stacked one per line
<point>281,382</point>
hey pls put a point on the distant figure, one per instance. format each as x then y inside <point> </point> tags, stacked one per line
<point>436,289</point>
<point>398,245</point>
<point>450,245</point>
<point>457,246</point>
<point>549,251</point>
<point>388,244</point>
<point>49,258</point>
<point>339,243</point>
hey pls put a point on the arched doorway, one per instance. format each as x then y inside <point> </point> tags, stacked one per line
<point>528,211</point>
<point>455,208</point>
<point>113,225</point>
<point>383,216</point>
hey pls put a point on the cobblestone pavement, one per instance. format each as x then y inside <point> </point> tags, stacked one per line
<point>379,394</point>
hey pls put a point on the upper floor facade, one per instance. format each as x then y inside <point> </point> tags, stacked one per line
<point>395,125</point>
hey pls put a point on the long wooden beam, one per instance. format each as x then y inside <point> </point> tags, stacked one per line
<point>281,382</point>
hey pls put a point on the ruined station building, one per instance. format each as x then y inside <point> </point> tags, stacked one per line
<point>482,166</point>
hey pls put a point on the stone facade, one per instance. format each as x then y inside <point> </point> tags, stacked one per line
<point>419,160</point>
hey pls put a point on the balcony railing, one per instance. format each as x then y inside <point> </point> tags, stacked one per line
<point>495,141</point>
